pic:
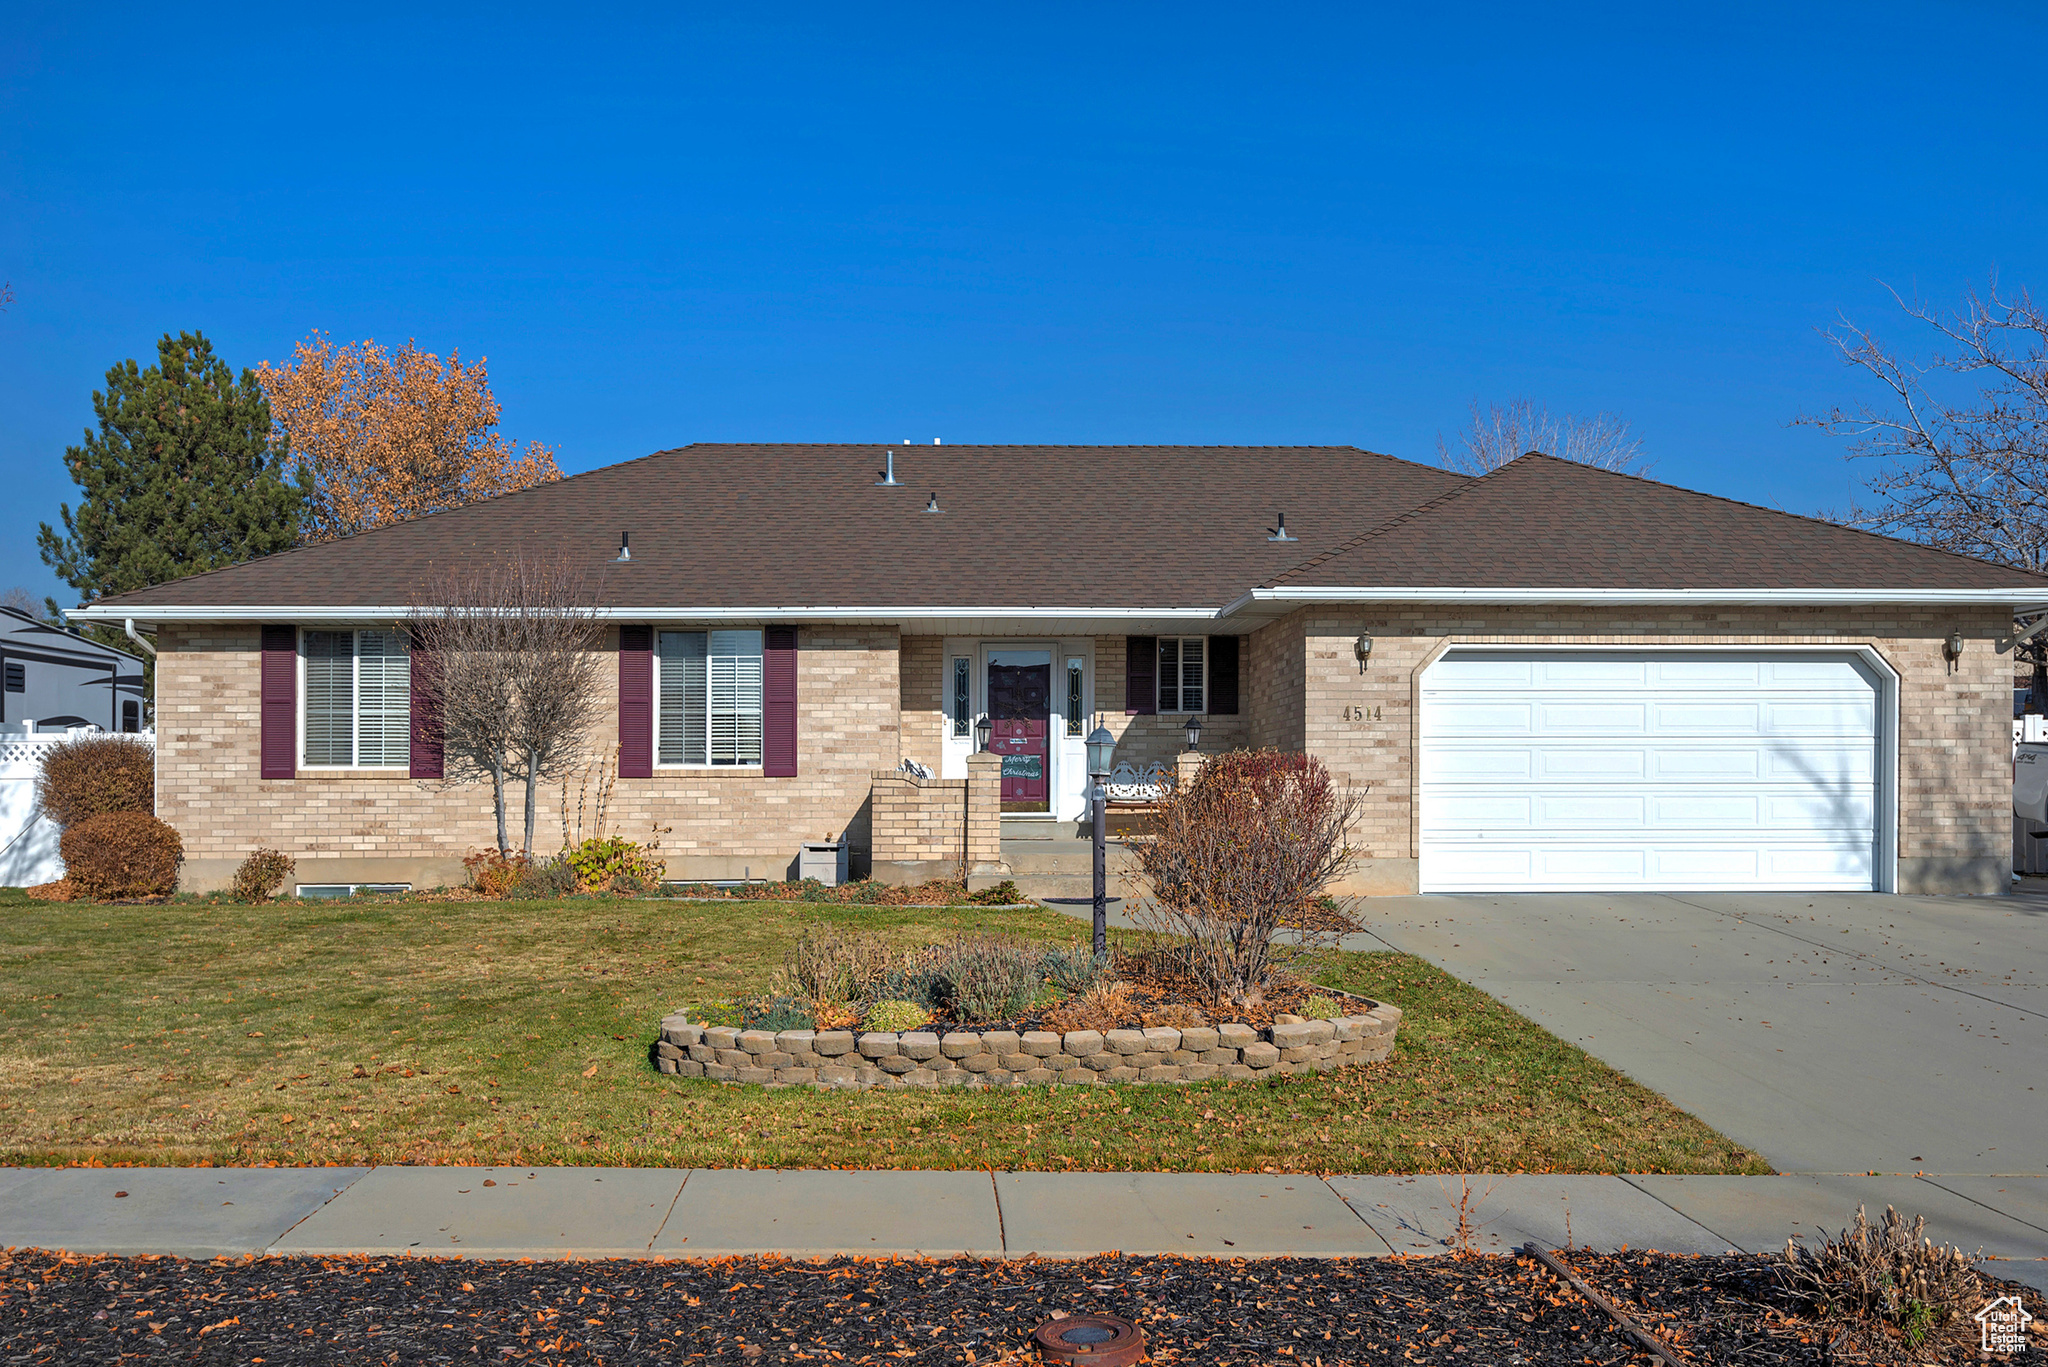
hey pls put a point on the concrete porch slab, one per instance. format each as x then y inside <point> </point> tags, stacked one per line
<point>521,1213</point>
<point>1420,1214</point>
<point>190,1212</point>
<point>1230,1215</point>
<point>725,1211</point>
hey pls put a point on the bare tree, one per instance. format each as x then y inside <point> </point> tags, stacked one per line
<point>513,670</point>
<point>1505,432</point>
<point>1963,462</point>
<point>21,600</point>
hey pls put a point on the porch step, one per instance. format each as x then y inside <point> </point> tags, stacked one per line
<point>1054,858</point>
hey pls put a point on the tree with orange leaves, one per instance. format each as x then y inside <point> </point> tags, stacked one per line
<point>392,435</point>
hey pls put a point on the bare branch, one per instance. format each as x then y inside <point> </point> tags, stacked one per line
<point>1509,431</point>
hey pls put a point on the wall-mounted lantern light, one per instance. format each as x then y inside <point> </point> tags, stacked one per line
<point>1362,648</point>
<point>1194,732</point>
<point>1952,650</point>
<point>981,732</point>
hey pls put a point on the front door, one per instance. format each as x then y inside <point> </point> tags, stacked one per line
<point>1019,712</point>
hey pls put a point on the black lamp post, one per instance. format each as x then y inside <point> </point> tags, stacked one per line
<point>981,731</point>
<point>1100,746</point>
<point>1194,733</point>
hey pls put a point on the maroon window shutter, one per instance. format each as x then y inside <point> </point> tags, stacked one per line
<point>778,703</point>
<point>1141,675</point>
<point>279,745</point>
<point>636,702</point>
<point>427,748</point>
<point>1223,676</point>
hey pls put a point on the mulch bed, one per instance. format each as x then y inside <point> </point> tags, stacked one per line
<point>1471,1310</point>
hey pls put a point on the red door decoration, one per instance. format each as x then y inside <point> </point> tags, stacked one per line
<point>1019,710</point>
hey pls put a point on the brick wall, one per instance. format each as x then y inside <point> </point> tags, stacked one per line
<point>1954,730</point>
<point>922,700</point>
<point>711,824</point>
<point>1143,740</point>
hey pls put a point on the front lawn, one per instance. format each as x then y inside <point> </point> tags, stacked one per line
<point>518,1032</point>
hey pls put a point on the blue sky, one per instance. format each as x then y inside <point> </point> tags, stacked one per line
<point>1080,224</point>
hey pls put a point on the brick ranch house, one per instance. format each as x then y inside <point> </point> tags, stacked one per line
<point>1551,677</point>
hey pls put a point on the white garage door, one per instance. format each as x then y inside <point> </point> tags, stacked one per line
<point>1614,770</point>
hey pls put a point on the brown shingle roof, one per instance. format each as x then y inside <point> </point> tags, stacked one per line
<point>797,526</point>
<point>1539,522</point>
<point>717,525</point>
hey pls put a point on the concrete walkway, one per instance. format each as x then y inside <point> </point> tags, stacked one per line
<point>708,1213</point>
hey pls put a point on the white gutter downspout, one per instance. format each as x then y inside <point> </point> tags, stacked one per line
<point>136,637</point>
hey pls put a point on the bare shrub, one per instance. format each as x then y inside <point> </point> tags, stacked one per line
<point>121,854</point>
<point>493,872</point>
<point>826,966</point>
<point>91,775</point>
<point>1175,1016</point>
<point>262,874</point>
<point>1105,1006</point>
<point>1075,969</point>
<point>1246,846</point>
<point>994,977</point>
<point>1891,1272</point>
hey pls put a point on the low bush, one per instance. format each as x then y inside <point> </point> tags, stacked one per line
<point>832,1015</point>
<point>121,854</point>
<point>492,872</point>
<point>1075,969</point>
<point>896,1015</point>
<point>1891,1272</point>
<point>615,864</point>
<point>261,875</point>
<point>778,1013</point>
<point>1003,894</point>
<point>1320,1008</point>
<point>825,965</point>
<point>1105,1006</point>
<point>993,977</point>
<point>94,775</point>
<point>60,891</point>
<point>545,881</point>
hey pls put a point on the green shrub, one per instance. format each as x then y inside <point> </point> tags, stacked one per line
<point>262,874</point>
<point>1003,894</point>
<point>1321,1008</point>
<point>896,1016</point>
<point>1075,969</point>
<point>778,1013</point>
<point>614,862</point>
<point>93,775</point>
<point>121,854</point>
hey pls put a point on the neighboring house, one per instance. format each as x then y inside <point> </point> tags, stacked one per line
<point>1552,677</point>
<point>57,680</point>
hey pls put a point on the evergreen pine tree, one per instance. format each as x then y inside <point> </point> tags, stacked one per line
<point>181,477</point>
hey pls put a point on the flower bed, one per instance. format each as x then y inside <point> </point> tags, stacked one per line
<point>1010,1058</point>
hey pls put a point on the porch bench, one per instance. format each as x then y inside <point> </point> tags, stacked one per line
<point>1133,790</point>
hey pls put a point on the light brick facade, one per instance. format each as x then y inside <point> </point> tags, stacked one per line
<point>868,698</point>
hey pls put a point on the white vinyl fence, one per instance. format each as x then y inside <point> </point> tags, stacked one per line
<point>28,839</point>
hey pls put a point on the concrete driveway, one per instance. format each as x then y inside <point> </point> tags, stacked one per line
<point>1830,1032</point>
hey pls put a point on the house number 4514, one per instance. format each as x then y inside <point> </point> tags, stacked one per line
<point>1361,714</point>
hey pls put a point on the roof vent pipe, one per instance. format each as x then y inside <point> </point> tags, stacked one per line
<point>933,506</point>
<point>1280,532</point>
<point>888,479</point>
<point>625,550</point>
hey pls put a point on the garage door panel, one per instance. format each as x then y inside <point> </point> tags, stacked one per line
<point>1650,771</point>
<point>1592,719</point>
<point>1701,672</point>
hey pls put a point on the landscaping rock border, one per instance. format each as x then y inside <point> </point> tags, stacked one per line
<point>1008,1058</point>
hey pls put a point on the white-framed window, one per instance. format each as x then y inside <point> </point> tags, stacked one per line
<point>1183,673</point>
<point>355,700</point>
<point>707,698</point>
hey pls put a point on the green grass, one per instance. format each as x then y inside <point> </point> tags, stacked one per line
<point>510,1032</point>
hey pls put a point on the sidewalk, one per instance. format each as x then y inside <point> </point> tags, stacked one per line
<point>708,1213</point>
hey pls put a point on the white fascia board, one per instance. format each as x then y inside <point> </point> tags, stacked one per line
<point>153,615</point>
<point>2011,599</point>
